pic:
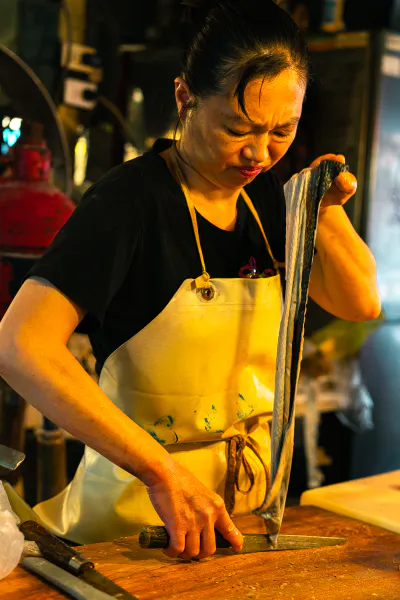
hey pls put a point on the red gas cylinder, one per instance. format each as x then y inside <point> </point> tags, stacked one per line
<point>31,213</point>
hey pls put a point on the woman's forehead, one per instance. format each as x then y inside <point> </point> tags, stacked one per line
<point>282,96</point>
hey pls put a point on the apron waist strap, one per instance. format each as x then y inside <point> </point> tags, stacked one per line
<point>237,459</point>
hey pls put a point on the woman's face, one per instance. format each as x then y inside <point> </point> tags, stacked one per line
<point>228,148</point>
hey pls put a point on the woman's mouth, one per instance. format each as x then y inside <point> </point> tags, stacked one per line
<point>249,172</point>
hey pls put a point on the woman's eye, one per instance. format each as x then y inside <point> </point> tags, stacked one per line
<point>235,133</point>
<point>282,134</point>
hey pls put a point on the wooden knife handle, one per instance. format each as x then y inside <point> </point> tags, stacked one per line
<point>53,549</point>
<point>158,537</point>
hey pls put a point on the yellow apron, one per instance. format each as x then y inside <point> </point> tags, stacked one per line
<point>200,379</point>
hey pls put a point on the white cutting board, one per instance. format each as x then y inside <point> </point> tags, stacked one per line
<point>374,500</point>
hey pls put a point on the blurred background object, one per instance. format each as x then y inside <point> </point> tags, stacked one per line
<point>87,84</point>
<point>32,210</point>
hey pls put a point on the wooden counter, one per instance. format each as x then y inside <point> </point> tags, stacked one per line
<point>367,567</point>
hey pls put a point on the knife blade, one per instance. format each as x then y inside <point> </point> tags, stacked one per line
<point>10,460</point>
<point>57,552</point>
<point>261,542</point>
<point>157,537</point>
<point>63,580</point>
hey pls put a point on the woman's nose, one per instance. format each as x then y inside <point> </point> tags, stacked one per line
<point>257,151</point>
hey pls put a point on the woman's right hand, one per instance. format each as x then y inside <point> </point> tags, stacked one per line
<point>190,512</point>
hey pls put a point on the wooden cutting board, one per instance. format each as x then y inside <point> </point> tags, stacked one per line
<point>365,568</point>
<point>374,500</point>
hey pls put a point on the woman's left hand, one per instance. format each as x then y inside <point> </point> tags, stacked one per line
<point>343,187</point>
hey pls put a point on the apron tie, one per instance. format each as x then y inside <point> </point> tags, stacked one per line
<point>236,459</point>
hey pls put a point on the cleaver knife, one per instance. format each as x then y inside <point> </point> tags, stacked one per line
<point>9,460</point>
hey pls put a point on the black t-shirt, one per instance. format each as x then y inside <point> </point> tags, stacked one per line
<point>129,245</point>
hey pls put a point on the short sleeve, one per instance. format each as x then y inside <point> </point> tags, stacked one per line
<point>89,258</point>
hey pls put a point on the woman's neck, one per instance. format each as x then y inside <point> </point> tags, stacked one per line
<point>217,205</point>
<point>199,185</point>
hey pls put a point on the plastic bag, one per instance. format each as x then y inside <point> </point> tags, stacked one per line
<point>11,539</point>
<point>358,415</point>
<point>340,342</point>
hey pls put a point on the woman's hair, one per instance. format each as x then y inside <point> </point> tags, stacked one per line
<point>233,42</point>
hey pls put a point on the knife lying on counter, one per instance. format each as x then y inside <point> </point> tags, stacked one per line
<point>64,580</point>
<point>79,569</point>
<point>157,537</point>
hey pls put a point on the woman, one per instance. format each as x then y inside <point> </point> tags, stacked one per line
<point>171,264</point>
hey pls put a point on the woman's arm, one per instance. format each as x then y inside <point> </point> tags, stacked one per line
<point>35,361</point>
<point>343,275</point>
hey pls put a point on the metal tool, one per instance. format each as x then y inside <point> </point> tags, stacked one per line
<point>9,460</point>
<point>157,537</point>
<point>62,555</point>
<point>66,582</point>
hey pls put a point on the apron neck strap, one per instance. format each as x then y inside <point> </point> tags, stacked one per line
<point>253,211</point>
<point>204,280</point>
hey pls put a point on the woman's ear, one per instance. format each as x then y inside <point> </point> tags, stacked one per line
<point>183,97</point>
